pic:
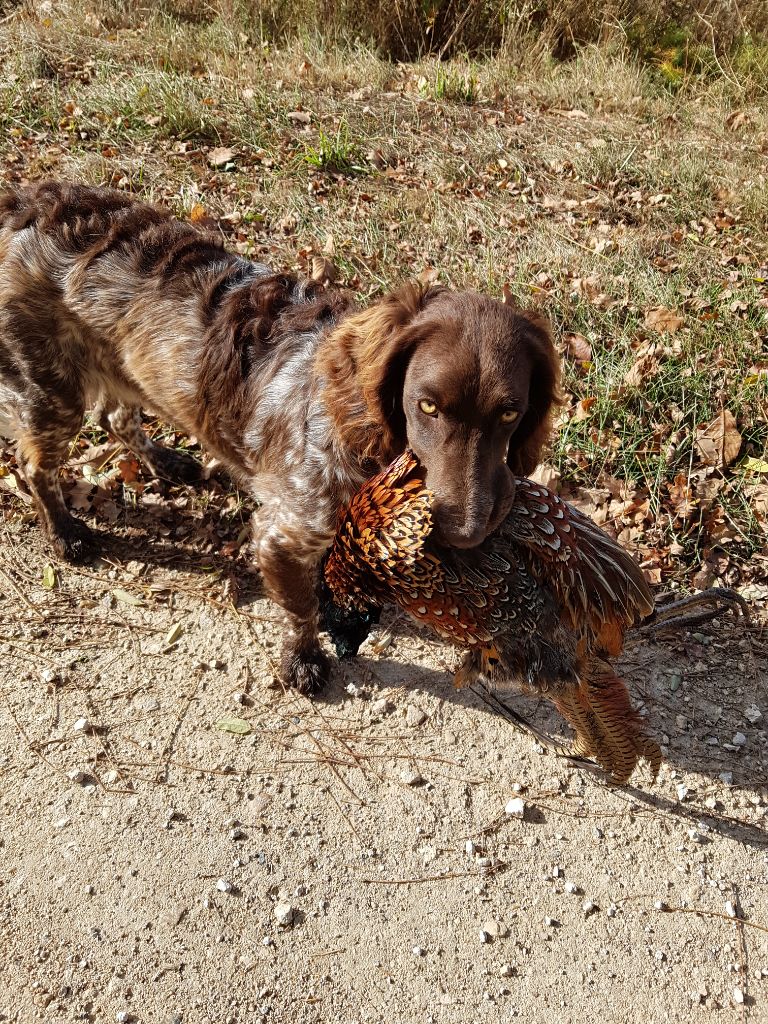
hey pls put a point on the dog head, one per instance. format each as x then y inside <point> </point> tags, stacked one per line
<point>466,381</point>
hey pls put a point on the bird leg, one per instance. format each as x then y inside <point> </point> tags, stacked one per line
<point>679,614</point>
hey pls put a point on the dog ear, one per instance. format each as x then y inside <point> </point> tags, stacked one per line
<point>543,396</point>
<point>363,364</point>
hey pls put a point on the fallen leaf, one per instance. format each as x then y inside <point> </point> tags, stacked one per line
<point>221,156</point>
<point>197,213</point>
<point>174,633</point>
<point>238,726</point>
<point>323,270</point>
<point>429,275</point>
<point>49,577</point>
<point>719,442</point>
<point>583,409</point>
<point>125,598</point>
<point>752,465</point>
<point>300,116</point>
<point>663,320</point>
<point>643,369</point>
<point>578,347</point>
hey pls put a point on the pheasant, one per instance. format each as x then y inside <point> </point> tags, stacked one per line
<point>544,601</point>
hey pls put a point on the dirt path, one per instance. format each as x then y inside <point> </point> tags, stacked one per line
<point>147,855</point>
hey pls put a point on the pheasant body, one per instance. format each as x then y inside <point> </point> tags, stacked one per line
<point>545,600</point>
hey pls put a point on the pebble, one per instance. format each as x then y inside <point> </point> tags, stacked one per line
<point>414,717</point>
<point>753,714</point>
<point>508,971</point>
<point>77,776</point>
<point>730,908</point>
<point>381,706</point>
<point>571,887</point>
<point>122,1017</point>
<point>682,791</point>
<point>726,777</point>
<point>236,833</point>
<point>515,807</point>
<point>412,778</point>
<point>660,905</point>
<point>484,936</point>
<point>495,929</point>
<point>49,676</point>
<point>223,885</point>
<point>739,739</point>
<point>660,954</point>
<point>612,909</point>
<point>738,995</point>
<point>418,951</point>
<point>551,922</point>
<point>81,725</point>
<point>284,914</point>
<point>353,690</point>
<point>267,941</point>
<point>589,907</point>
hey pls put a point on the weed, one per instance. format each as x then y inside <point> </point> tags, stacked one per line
<point>336,153</point>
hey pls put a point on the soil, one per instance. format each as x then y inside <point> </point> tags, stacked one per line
<point>148,855</point>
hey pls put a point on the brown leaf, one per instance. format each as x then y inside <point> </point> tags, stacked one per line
<point>719,442</point>
<point>577,346</point>
<point>663,320</point>
<point>583,409</point>
<point>300,116</point>
<point>197,213</point>
<point>323,270</point>
<point>429,275</point>
<point>644,367</point>
<point>681,497</point>
<point>221,156</point>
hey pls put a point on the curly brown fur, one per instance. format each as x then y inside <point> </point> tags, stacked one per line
<point>110,304</point>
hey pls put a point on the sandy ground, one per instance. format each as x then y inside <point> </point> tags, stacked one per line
<point>148,856</point>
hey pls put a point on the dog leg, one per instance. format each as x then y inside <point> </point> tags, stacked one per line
<point>40,455</point>
<point>291,582</point>
<point>124,422</point>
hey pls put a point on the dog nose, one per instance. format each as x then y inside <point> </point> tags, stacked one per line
<point>456,529</point>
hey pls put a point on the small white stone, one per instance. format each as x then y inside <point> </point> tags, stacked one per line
<point>508,971</point>
<point>381,706</point>
<point>353,690</point>
<point>49,675</point>
<point>557,871</point>
<point>753,714</point>
<point>414,717</point>
<point>81,725</point>
<point>495,929</point>
<point>726,777</point>
<point>612,909</point>
<point>571,887</point>
<point>484,936</point>
<point>239,697</point>
<point>76,775</point>
<point>284,914</point>
<point>738,995</point>
<point>682,791</point>
<point>659,905</point>
<point>551,922</point>
<point>515,807</point>
<point>267,941</point>
<point>588,907</point>
<point>223,885</point>
<point>122,1017</point>
<point>418,951</point>
<point>236,833</point>
<point>660,955</point>
<point>739,739</point>
<point>412,778</point>
<point>730,908</point>
<point>469,848</point>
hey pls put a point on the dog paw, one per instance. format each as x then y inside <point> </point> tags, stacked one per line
<point>74,541</point>
<point>305,670</point>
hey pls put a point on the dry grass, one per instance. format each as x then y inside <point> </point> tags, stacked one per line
<point>589,187</point>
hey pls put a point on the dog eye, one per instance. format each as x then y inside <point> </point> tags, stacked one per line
<point>427,407</point>
<point>509,416</point>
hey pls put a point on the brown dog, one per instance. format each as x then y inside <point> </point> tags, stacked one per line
<point>112,304</point>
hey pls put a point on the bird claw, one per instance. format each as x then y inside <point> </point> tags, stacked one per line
<point>676,616</point>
